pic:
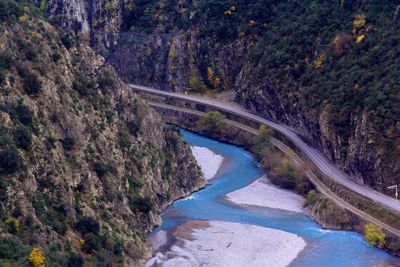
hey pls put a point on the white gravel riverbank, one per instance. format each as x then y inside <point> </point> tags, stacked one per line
<point>263,193</point>
<point>216,243</point>
<point>208,161</point>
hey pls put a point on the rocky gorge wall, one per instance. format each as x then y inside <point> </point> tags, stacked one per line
<point>86,166</point>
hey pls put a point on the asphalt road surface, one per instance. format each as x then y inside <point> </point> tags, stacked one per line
<point>325,165</point>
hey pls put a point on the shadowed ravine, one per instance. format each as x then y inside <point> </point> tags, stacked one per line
<point>324,248</point>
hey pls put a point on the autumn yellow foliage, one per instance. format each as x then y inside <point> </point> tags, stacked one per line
<point>230,11</point>
<point>359,22</point>
<point>36,258</point>
<point>210,74</point>
<point>212,78</point>
<point>319,62</point>
<point>172,54</point>
<point>43,6</point>
<point>360,38</point>
<point>22,19</point>
<point>374,234</point>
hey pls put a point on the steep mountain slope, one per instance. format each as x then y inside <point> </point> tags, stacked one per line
<point>329,68</point>
<point>85,165</point>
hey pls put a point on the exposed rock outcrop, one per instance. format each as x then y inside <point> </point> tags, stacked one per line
<point>76,142</point>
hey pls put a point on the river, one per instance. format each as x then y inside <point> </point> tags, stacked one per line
<point>323,247</point>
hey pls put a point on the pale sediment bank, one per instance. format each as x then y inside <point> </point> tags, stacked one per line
<point>263,193</point>
<point>208,161</point>
<point>216,243</point>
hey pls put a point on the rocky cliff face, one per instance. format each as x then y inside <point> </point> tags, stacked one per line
<point>166,58</point>
<point>356,154</point>
<point>72,15</point>
<point>86,166</point>
<point>323,80</point>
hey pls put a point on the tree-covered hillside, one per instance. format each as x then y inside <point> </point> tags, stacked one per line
<point>333,65</point>
<point>85,165</point>
<point>344,53</point>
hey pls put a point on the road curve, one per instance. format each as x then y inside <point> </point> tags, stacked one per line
<point>325,166</point>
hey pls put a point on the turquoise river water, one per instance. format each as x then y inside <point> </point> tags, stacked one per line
<point>324,247</point>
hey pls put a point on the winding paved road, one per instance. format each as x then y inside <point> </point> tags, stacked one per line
<point>325,166</point>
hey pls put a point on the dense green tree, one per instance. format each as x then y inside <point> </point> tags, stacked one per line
<point>10,161</point>
<point>75,260</point>
<point>142,204</point>
<point>212,121</point>
<point>23,138</point>
<point>87,225</point>
<point>197,84</point>
<point>374,234</point>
